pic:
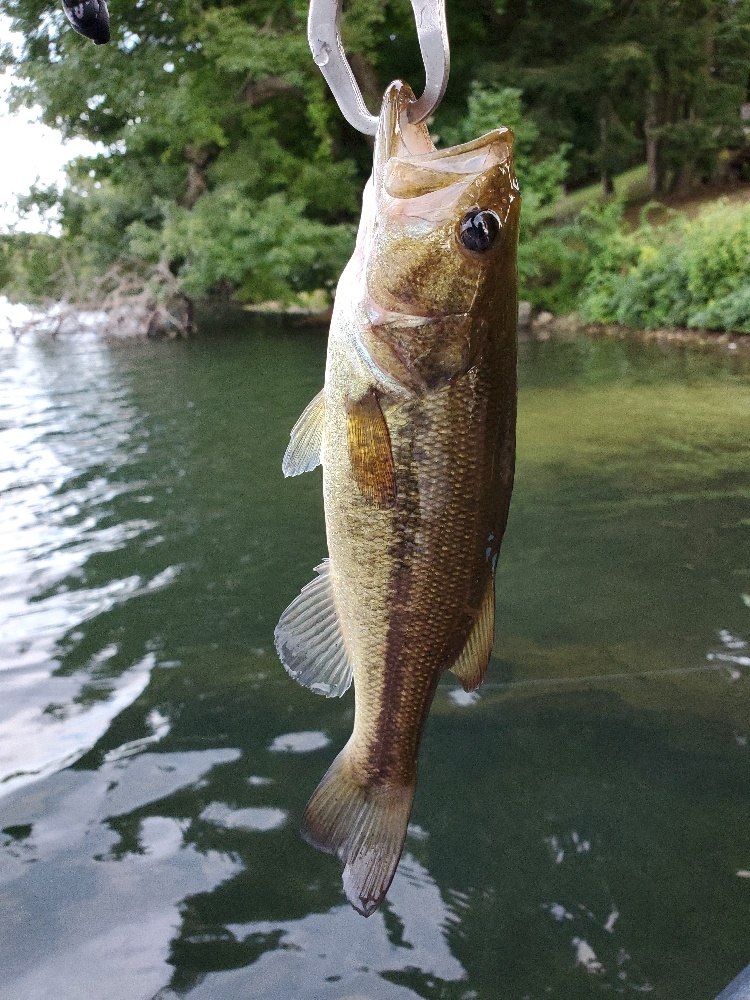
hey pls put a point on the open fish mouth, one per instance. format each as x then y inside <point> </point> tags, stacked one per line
<point>410,168</point>
<point>415,262</point>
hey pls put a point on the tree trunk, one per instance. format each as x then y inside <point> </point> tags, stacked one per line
<point>200,159</point>
<point>686,179</point>
<point>653,150</point>
<point>608,187</point>
<point>686,176</point>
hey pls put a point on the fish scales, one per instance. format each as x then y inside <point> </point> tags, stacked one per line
<point>416,430</point>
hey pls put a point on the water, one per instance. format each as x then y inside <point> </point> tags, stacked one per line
<point>580,828</point>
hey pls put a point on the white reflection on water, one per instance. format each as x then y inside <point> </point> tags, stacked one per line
<point>106,928</point>
<point>339,954</point>
<point>35,742</point>
<point>586,956</point>
<point>159,726</point>
<point>463,698</point>
<point>299,742</point>
<point>260,818</point>
<point>730,653</point>
<point>65,421</point>
<point>599,944</point>
<point>96,924</point>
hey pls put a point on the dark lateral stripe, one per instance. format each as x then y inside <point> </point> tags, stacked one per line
<point>408,685</point>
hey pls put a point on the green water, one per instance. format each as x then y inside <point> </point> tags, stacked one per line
<point>581,829</point>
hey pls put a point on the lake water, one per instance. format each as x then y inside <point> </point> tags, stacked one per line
<point>581,828</point>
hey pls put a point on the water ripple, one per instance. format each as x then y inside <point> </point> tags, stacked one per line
<point>67,430</point>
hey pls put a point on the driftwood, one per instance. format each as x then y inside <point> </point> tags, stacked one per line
<point>126,301</point>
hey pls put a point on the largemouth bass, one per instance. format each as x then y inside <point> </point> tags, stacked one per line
<point>415,429</point>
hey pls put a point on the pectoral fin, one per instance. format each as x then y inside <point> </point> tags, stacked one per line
<point>309,640</point>
<point>370,450</point>
<point>471,665</point>
<point>303,453</point>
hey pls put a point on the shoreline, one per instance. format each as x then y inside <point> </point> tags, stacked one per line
<point>545,326</point>
<point>540,327</point>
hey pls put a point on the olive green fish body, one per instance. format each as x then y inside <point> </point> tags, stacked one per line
<point>410,579</point>
<point>415,429</point>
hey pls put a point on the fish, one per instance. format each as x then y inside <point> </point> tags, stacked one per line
<point>415,430</point>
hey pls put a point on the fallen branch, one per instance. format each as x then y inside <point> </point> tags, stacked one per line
<point>123,302</point>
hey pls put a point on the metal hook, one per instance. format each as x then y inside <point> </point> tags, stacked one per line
<point>324,36</point>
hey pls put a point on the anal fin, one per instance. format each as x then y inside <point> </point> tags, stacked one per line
<point>471,663</point>
<point>370,452</point>
<point>306,439</point>
<point>364,825</point>
<point>309,639</point>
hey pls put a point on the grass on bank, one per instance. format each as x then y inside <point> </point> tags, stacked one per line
<point>630,187</point>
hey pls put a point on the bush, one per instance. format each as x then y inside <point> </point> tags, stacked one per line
<point>263,250</point>
<point>33,267</point>
<point>557,261</point>
<point>687,273</point>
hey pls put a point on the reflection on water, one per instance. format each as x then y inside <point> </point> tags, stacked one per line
<point>109,917</point>
<point>64,429</point>
<point>579,826</point>
<point>300,742</point>
<point>350,958</point>
<point>261,818</point>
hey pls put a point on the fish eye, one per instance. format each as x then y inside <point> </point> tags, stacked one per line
<point>478,230</point>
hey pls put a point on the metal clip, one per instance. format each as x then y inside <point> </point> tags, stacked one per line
<point>324,36</point>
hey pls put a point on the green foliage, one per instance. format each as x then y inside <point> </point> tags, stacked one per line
<point>730,312</point>
<point>689,273</point>
<point>214,122</point>
<point>32,266</point>
<point>217,129</point>
<point>264,251</point>
<point>609,75</point>
<point>556,261</point>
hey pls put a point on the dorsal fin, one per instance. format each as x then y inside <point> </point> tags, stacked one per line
<point>309,640</point>
<point>306,439</point>
<point>471,663</point>
<point>370,450</point>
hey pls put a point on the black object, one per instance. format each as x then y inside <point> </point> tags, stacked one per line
<point>89,18</point>
<point>479,230</point>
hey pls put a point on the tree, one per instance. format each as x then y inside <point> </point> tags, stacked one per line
<point>200,109</point>
<point>225,157</point>
<point>698,59</point>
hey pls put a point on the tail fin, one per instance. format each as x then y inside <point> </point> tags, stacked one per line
<point>364,826</point>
